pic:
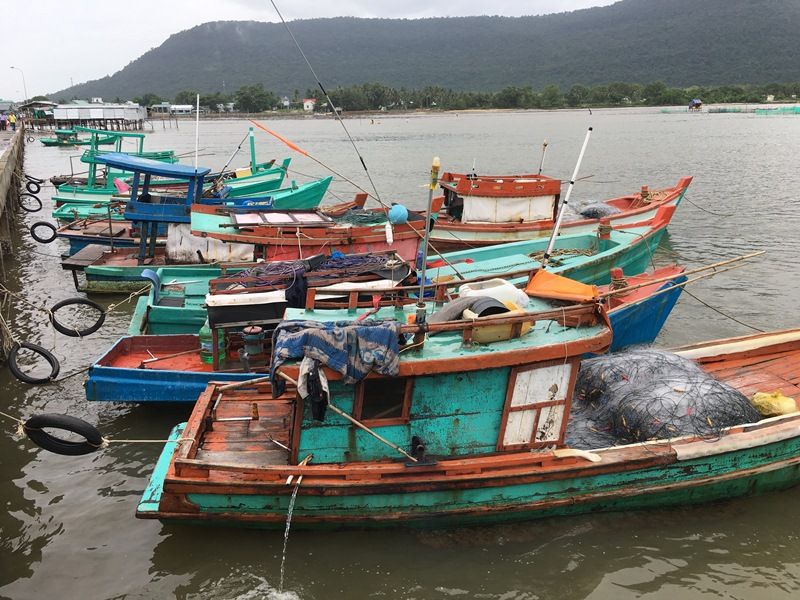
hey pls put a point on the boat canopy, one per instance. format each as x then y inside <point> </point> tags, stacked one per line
<point>148,166</point>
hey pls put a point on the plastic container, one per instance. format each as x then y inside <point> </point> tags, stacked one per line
<point>500,332</point>
<point>499,289</point>
<point>207,344</point>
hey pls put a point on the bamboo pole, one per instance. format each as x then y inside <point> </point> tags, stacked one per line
<point>722,263</point>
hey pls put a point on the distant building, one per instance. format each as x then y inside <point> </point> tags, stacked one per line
<point>96,100</point>
<point>285,102</point>
<point>163,108</point>
<point>81,112</point>
<point>309,104</point>
<point>181,109</point>
<point>6,105</point>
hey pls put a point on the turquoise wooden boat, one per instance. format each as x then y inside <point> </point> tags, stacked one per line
<point>304,196</point>
<point>178,307</point>
<point>460,435</point>
<point>636,316</point>
<point>254,180</point>
<point>69,138</point>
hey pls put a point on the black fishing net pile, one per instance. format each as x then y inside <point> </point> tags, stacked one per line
<point>598,210</point>
<point>647,394</point>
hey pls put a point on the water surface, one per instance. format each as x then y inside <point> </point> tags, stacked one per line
<point>67,528</point>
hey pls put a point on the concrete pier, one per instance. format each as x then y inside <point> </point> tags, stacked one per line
<point>12,147</point>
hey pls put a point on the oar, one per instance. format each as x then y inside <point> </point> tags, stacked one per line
<point>560,217</point>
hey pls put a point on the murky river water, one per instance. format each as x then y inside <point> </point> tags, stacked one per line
<point>66,524</point>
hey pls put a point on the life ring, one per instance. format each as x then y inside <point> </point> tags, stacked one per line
<point>70,331</point>
<point>30,202</point>
<point>43,240</point>
<point>46,354</point>
<point>35,430</point>
<point>34,187</point>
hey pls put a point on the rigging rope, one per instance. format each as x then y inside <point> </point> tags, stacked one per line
<point>330,103</point>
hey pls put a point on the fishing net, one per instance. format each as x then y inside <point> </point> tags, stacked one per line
<point>360,216</point>
<point>647,394</point>
<point>598,210</point>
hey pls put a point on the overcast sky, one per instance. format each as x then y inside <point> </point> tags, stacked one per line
<point>56,42</point>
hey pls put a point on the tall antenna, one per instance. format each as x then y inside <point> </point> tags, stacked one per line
<point>330,103</point>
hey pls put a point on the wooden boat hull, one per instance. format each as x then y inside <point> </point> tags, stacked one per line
<point>303,197</point>
<point>501,487</point>
<point>638,323</point>
<point>268,180</point>
<point>452,236</point>
<point>183,381</point>
<point>659,481</point>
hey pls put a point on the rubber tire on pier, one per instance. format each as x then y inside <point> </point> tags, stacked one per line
<point>35,430</point>
<point>34,179</point>
<point>30,139</point>
<point>40,239</point>
<point>46,354</point>
<point>26,204</point>
<point>34,187</point>
<point>77,332</point>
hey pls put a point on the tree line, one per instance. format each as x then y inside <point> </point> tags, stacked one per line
<point>376,96</point>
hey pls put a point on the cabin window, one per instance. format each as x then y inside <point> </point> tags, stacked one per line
<point>537,406</point>
<point>383,400</point>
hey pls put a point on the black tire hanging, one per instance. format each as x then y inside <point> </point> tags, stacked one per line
<point>31,139</point>
<point>45,224</point>
<point>32,178</point>
<point>43,352</point>
<point>29,202</point>
<point>35,430</point>
<point>34,187</point>
<point>77,332</point>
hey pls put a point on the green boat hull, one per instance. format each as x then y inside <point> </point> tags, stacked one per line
<point>304,197</point>
<point>712,478</point>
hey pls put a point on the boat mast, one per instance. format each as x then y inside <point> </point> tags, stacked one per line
<point>420,317</point>
<point>560,216</point>
<point>544,153</point>
<point>196,129</point>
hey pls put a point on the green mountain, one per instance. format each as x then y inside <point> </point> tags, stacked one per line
<point>681,42</point>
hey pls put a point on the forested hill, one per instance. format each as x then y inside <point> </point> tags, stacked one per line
<point>681,42</point>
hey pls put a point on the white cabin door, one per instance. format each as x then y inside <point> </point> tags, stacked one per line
<point>537,405</point>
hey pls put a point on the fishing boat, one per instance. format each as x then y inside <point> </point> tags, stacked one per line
<point>304,196</point>
<point>181,299</point>
<point>69,138</point>
<point>180,306</point>
<point>287,235</point>
<point>168,368</point>
<point>485,210</point>
<point>156,212</point>
<point>255,179</point>
<point>461,435</point>
<point>99,185</point>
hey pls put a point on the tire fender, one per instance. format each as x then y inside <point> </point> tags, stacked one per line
<point>63,329</point>
<point>24,377</point>
<point>35,430</point>
<point>45,224</point>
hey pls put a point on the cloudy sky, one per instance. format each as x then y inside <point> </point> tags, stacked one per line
<point>55,43</point>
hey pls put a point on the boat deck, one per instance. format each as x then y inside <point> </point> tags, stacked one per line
<point>764,373</point>
<point>246,440</point>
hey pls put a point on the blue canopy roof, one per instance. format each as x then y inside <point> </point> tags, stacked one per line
<point>136,164</point>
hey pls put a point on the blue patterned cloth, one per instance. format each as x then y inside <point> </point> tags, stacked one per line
<point>350,348</point>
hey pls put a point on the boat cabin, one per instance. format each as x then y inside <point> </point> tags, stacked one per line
<point>470,198</point>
